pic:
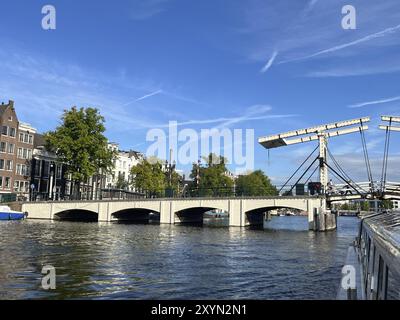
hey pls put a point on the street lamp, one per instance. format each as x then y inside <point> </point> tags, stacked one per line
<point>52,171</point>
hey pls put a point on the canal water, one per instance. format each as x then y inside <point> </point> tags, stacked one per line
<point>116,261</point>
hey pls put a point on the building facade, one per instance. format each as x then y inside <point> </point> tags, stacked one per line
<point>16,150</point>
<point>121,177</point>
<point>48,176</point>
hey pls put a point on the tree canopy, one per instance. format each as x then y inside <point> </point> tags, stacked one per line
<point>80,143</point>
<point>149,177</point>
<point>255,184</point>
<point>121,183</point>
<point>213,179</point>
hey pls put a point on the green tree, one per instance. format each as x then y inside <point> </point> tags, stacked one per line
<point>149,177</point>
<point>213,180</point>
<point>176,181</point>
<point>365,206</point>
<point>387,204</point>
<point>121,182</point>
<point>255,184</point>
<point>80,143</point>
<point>345,207</point>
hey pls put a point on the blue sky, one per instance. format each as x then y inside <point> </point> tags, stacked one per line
<point>271,66</point>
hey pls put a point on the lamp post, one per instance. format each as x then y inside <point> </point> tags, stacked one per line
<point>52,171</point>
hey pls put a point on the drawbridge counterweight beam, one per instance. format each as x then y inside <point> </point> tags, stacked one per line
<point>318,133</point>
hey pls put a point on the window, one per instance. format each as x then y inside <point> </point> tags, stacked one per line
<point>1,182</point>
<point>9,165</point>
<point>37,168</point>
<point>1,164</point>
<point>45,168</point>
<point>59,171</point>
<point>4,130</point>
<point>30,139</point>
<point>13,132</point>
<point>24,153</point>
<point>10,148</point>
<point>10,118</point>
<point>26,138</point>
<point>7,183</point>
<point>21,137</point>
<point>22,169</point>
<point>3,146</point>
<point>16,186</point>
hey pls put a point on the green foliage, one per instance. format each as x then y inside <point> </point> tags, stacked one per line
<point>122,183</point>
<point>387,204</point>
<point>255,184</point>
<point>80,143</point>
<point>149,177</point>
<point>364,206</point>
<point>213,180</point>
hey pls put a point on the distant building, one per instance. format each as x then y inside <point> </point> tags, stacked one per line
<point>16,150</point>
<point>230,175</point>
<point>122,167</point>
<point>48,175</point>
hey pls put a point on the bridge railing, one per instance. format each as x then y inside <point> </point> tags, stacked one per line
<point>216,192</point>
<point>116,194</point>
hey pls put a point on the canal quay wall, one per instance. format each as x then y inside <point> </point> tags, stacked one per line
<point>242,211</point>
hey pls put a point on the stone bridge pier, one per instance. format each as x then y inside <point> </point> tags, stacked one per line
<point>242,211</point>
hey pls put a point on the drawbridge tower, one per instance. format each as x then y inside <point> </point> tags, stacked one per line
<point>321,134</point>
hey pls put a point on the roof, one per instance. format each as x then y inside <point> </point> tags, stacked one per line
<point>39,140</point>
<point>4,107</point>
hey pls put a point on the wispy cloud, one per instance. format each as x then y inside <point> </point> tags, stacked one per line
<point>375,102</point>
<point>145,9</point>
<point>348,44</point>
<point>354,71</point>
<point>310,6</point>
<point>270,62</point>
<point>253,113</point>
<point>311,34</point>
<point>147,96</point>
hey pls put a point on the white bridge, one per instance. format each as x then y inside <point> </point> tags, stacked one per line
<point>246,211</point>
<point>242,211</point>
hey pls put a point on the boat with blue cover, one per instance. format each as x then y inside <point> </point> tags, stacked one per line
<point>7,214</point>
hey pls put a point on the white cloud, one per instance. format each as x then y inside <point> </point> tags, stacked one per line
<point>268,65</point>
<point>145,96</point>
<point>370,37</point>
<point>146,9</point>
<point>375,102</point>
<point>311,29</point>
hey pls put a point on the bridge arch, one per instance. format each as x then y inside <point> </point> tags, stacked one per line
<point>135,215</point>
<point>255,216</point>
<point>77,215</point>
<point>193,215</point>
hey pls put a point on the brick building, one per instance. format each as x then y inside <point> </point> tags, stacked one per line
<point>16,150</point>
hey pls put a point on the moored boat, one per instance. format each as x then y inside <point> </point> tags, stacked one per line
<point>7,214</point>
<point>372,269</point>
